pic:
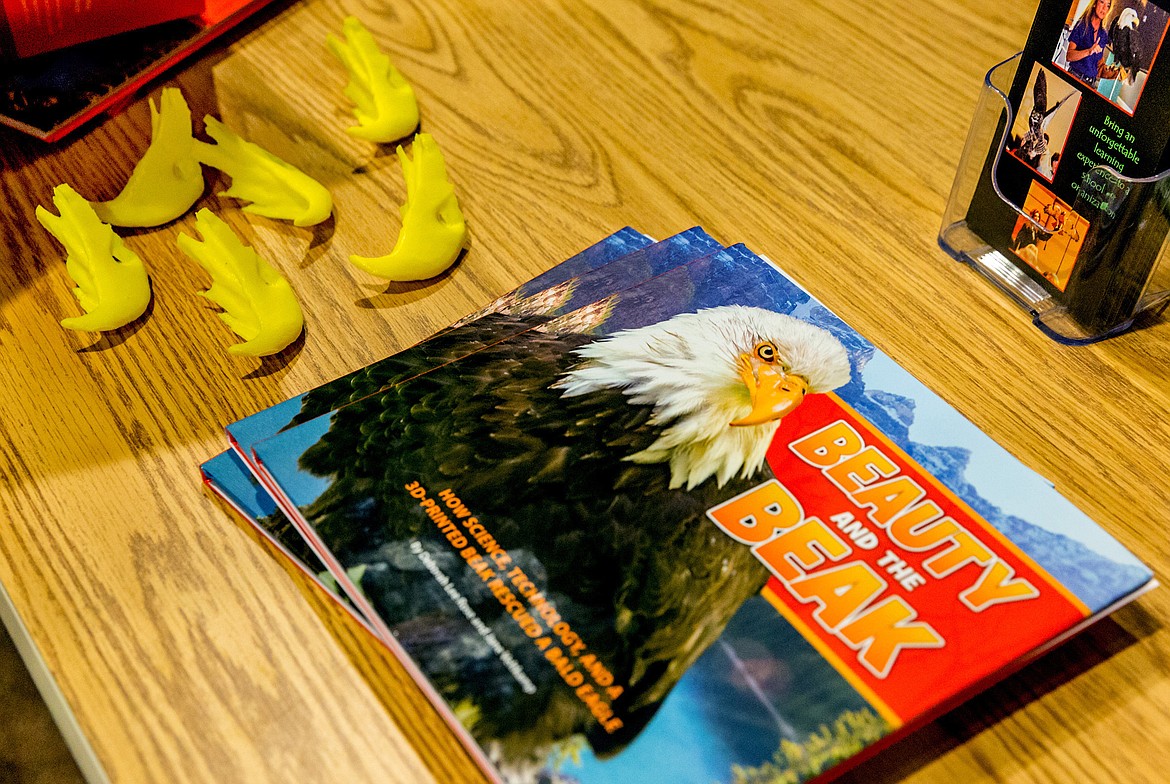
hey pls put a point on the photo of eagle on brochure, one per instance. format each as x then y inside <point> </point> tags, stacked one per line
<point>584,536</point>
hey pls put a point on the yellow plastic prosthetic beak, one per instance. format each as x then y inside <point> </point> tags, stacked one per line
<point>774,393</point>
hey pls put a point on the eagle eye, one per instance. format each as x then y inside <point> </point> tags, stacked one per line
<point>766,352</point>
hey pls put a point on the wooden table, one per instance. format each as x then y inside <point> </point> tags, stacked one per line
<point>824,135</point>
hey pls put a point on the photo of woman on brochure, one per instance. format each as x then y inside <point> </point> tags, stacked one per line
<point>1111,45</point>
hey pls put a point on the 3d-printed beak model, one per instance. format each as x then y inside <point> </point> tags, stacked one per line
<point>258,303</point>
<point>433,229</point>
<point>384,103</point>
<point>112,285</point>
<point>276,189</point>
<point>168,179</point>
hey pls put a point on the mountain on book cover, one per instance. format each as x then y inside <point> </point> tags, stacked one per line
<point>705,533</point>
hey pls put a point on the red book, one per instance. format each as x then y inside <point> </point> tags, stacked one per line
<point>67,63</point>
<point>34,26</point>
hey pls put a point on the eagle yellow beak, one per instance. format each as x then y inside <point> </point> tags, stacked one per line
<point>774,393</point>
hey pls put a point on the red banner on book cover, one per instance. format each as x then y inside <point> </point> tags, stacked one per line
<point>907,590</point>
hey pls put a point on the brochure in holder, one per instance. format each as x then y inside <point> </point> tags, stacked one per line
<point>1045,203</point>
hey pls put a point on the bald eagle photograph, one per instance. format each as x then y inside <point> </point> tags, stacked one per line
<point>591,454</point>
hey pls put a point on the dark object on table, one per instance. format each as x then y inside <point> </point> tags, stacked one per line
<point>52,94</point>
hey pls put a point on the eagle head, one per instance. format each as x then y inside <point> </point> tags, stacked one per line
<point>719,381</point>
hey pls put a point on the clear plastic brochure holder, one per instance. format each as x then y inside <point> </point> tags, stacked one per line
<point>1122,269</point>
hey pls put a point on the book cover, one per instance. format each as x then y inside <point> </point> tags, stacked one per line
<point>50,94</point>
<point>1092,89</point>
<point>713,536</point>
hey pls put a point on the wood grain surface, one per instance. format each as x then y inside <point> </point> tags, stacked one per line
<point>824,135</point>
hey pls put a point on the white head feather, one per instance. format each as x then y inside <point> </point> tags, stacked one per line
<point>686,368</point>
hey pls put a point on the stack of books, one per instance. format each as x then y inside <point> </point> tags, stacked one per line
<point>658,514</point>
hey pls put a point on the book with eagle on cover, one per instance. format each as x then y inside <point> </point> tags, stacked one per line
<point>705,533</point>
